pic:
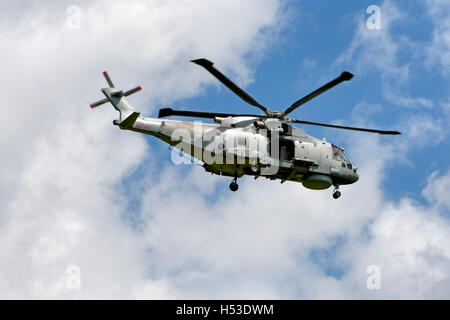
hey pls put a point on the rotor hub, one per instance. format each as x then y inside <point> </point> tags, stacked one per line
<point>272,114</point>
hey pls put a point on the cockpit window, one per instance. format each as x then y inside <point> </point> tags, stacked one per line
<point>346,158</point>
<point>338,154</point>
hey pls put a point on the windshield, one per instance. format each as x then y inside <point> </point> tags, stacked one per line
<point>346,158</point>
<point>338,154</point>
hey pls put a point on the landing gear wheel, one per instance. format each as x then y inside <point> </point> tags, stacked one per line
<point>234,186</point>
<point>336,194</point>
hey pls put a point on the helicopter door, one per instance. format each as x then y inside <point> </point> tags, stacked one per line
<point>287,150</point>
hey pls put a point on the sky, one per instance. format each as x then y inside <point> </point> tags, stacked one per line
<point>80,199</point>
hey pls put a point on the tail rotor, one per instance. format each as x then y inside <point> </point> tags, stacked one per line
<point>113,93</point>
<point>128,115</point>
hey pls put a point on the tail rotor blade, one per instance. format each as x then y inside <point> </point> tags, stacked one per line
<point>108,79</point>
<point>131,91</point>
<point>99,102</point>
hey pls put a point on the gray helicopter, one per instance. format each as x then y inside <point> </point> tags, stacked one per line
<point>260,145</point>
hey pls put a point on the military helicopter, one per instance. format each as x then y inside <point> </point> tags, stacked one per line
<point>260,145</point>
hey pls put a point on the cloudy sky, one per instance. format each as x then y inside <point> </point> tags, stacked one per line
<point>76,191</point>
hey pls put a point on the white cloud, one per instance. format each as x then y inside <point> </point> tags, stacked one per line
<point>423,129</point>
<point>437,190</point>
<point>375,48</point>
<point>61,163</point>
<point>409,243</point>
<point>438,50</point>
<point>405,101</point>
<point>308,63</point>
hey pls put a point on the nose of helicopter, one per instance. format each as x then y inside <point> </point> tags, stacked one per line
<point>355,175</point>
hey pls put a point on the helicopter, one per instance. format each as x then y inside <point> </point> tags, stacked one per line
<point>260,145</point>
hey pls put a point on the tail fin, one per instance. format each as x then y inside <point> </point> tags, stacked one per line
<point>116,97</point>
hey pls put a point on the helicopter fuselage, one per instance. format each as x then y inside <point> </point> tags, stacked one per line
<point>269,148</point>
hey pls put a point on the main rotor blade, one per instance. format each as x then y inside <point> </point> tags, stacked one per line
<point>166,112</point>
<point>208,65</point>
<point>345,76</point>
<point>343,127</point>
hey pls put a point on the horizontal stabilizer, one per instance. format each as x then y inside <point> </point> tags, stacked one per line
<point>129,121</point>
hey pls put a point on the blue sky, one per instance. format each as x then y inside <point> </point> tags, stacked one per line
<point>76,191</point>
